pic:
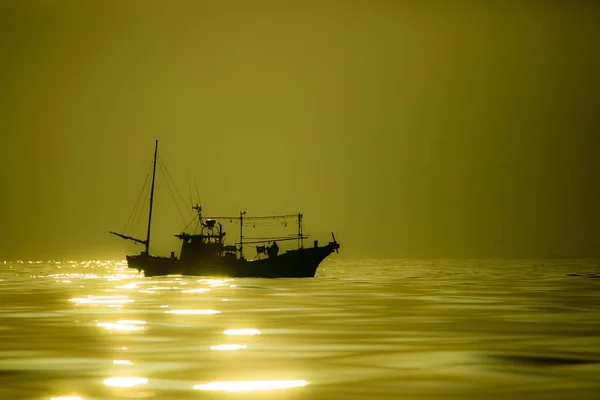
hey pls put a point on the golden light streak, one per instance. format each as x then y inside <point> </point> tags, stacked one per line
<point>118,327</point>
<point>125,381</point>
<point>102,300</point>
<point>131,285</point>
<point>214,282</point>
<point>229,347</point>
<point>202,290</point>
<point>241,332</point>
<point>249,386</point>
<point>193,312</point>
<point>67,398</point>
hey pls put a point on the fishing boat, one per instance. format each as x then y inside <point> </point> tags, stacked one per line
<point>205,253</point>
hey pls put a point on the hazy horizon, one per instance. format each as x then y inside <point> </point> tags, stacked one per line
<point>410,130</point>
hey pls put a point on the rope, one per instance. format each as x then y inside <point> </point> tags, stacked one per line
<point>190,189</point>
<point>167,174</point>
<point>171,191</point>
<point>137,221</point>
<point>188,225</point>
<point>135,206</point>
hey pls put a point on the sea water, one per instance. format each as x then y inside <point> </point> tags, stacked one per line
<point>362,329</point>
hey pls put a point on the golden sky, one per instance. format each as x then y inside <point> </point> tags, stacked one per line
<point>420,129</point>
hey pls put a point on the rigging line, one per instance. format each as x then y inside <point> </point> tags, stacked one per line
<point>174,184</point>
<point>137,201</point>
<point>274,237</point>
<point>161,167</point>
<point>188,225</point>
<point>263,224</point>
<point>168,174</point>
<point>190,189</point>
<point>136,221</point>
<point>247,219</point>
<point>266,241</point>
<point>139,204</point>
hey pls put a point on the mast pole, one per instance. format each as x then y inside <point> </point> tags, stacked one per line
<point>241,233</point>
<point>300,235</point>
<point>151,200</point>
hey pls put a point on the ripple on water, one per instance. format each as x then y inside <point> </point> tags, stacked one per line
<point>410,328</point>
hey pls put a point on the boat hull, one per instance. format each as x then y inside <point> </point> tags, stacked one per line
<point>301,263</point>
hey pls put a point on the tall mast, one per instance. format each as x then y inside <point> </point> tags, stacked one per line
<point>242,233</point>
<point>151,200</point>
<point>300,235</point>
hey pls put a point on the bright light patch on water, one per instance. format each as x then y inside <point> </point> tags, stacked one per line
<point>131,322</point>
<point>203,290</point>
<point>131,285</point>
<point>125,382</point>
<point>193,312</point>
<point>102,300</point>
<point>214,282</point>
<point>242,332</point>
<point>67,398</point>
<point>249,386</point>
<point>118,327</point>
<point>420,316</point>
<point>229,347</point>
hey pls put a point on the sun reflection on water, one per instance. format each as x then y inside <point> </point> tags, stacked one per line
<point>125,381</point>
<point>242,332</point>
<point>201,290</point>
<point>132,285</point>
<point>193,312</point>
<point>247,386</point>
<point>102,300</point>
<point>214,282</point>
<point>119,326</point>
<point>131,322</point>
<point>67,398</point>
<point>229,347</point>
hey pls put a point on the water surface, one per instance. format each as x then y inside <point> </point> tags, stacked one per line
<point>362,329</point>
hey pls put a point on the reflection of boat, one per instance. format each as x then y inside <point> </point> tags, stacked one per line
<point>205,253</point>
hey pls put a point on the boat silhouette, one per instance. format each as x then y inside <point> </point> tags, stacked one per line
<point>206,254</point>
